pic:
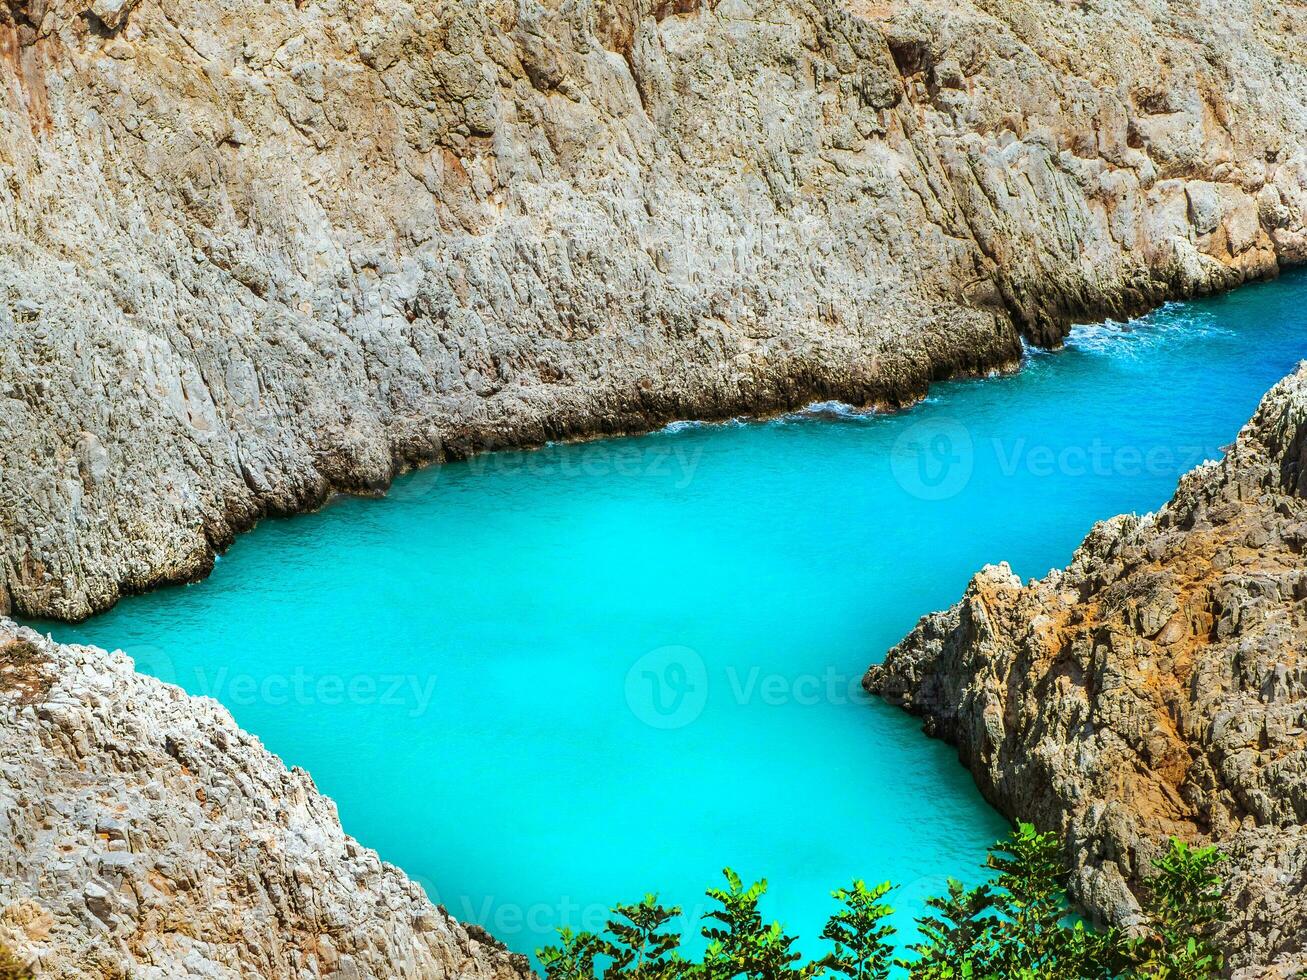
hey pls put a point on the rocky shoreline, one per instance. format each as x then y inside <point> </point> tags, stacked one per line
<point>1153,688</point>
<point>147,836</point>
<point>257,253</point>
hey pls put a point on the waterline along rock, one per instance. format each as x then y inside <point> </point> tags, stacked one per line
<point>1155,687</point>
<point>146,835</point>
<point>253,253</point>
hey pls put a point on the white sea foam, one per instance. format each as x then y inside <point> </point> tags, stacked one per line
<point>1134,338</point>
<point>1029,350</point>
<point>688,425</point>
<point>834,409</point>
<point>673,427</point>
<point>830,410</point>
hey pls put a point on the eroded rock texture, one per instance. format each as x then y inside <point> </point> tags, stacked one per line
<point>252,252</point>
<point>1156,687</point>
<point>145,835</point>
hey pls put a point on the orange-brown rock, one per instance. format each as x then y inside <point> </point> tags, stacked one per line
<point>1157,687</point>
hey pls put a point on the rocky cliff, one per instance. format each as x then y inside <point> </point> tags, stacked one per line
<point>256,252</point>
<point>145,835</point>
<point>1157,686</point>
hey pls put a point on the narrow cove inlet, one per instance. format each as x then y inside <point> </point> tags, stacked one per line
<point>541,682</point>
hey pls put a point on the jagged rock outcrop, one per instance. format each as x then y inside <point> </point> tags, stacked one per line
<point>146,835</point>
<point>1157,686</point>
<point>254,252</point>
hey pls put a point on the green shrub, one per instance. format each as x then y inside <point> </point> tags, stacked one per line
<point>860,933</point>
<point>1183,904</point>
<point>11,967</point>
<point>1019,926</point>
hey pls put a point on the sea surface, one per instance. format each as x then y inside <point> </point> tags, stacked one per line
<point>542,682</point>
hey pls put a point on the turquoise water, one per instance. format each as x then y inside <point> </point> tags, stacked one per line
<point>541,682</point>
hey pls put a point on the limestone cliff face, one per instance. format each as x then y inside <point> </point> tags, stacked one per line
<point>1157,686</point>
<point>254,252</point>
<point>145,835</point>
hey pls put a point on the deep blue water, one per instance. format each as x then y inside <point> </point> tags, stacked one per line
<point>542,682</point>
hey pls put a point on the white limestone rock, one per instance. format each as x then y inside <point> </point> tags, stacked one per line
<point>264,251</point>
<point>143,834</point>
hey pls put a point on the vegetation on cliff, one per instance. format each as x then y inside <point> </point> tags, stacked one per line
<point>11,967</point>
<point>1018,926</point>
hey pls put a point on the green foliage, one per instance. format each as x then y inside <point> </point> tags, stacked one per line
<point>860,933</point>
<point>1032,878</point>
<point>1015,928</point>
<point>574,958</point>
<point>1018,927</point>
<point>1089,954</point>
<point>642,948</point>
<point>956,936</point>
<point>739,945</point>
<point>11,967</point>
<point>1183,904</point>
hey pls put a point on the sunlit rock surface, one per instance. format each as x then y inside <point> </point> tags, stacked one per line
<point>256,252</point>
<point>1156,687</point>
